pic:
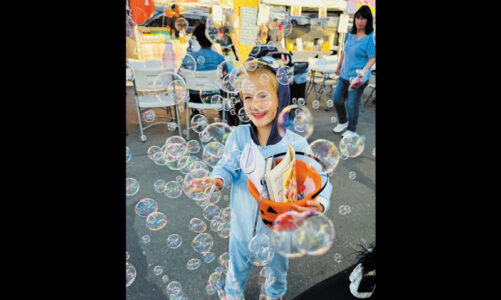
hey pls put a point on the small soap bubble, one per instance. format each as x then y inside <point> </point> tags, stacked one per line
<point>159,185</point>
<point>156,221</point>
<point>301,102</point>
<point>374,152</point>
<point>315,104</point>
<point>285,75</point>
<point>127,255</point>
<point>243,116</point>
<point>149,115</point>
<point>201,60</point>
<point>259,250</point>
<point>224,260</point>
<point>224,232</point>
<point>158,270</point>
<point>294,101</point>
<point>193,264</point>
<point>211,211</point>
<point>209,257</point>
<point>333,120</point>
<point>171,126</point>
<point>198,123</point>
<point>212,153</point>
<point>174,241</point>
<point>179,178</point>
<point>210,290</point>
<point>165,279</point>
<point>226,198</point>
<point>152,151</point>
<point>145,207</point>
<point>131,187</point>
<point>130,274</point>
<point>216,223</point>
<point>215,197</point>
<point>146,239</point>
<point>343,156</point>
<point>173,189</point>
<point>264,79</point>
<point>202,243</point>
<point>351,145</point>
<point>193,146</point>
<point>329,103</point>
<point>128,154</point>
<point>337,257</point>
<point>197,225</point>
<point>226,214</point>
<point>174,287</point>
<point>352,175</point>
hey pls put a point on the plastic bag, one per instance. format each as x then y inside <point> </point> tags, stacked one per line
<point>356,82</point>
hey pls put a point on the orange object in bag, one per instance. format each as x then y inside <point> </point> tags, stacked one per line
<point>141,10</point>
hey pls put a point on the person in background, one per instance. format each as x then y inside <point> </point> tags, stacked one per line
<point>171,22</point>
<point>359,54</point>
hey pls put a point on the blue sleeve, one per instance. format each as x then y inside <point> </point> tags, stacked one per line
<point>371,47</point>
<point>222,170</point>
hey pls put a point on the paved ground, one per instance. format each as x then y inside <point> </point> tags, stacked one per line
<point>352,229</point>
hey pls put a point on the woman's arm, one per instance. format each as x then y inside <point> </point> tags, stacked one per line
<point>340,62</point>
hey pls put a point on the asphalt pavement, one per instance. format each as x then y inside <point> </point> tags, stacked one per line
<point>356,227</point>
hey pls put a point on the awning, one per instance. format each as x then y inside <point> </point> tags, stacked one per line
<point>332,4</point>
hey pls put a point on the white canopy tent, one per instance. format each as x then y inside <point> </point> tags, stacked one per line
<point>332,4</point>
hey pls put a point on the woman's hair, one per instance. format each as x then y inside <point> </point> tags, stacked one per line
<point>263,70</point>
<point>199,33</point>
<point>363,12</point>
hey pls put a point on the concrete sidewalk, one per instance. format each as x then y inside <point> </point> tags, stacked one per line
<point>357,227</point>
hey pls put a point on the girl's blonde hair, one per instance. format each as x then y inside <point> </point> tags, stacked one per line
<point>263,70</point>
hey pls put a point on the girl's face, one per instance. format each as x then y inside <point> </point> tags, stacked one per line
<point>360,22</point>
<point>252,104</point>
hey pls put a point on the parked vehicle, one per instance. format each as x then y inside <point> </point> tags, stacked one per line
<point>192,14</point>
<point>300,20</point>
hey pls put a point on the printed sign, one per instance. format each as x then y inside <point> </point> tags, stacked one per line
<point>295,11</point>
<point>322,12</point>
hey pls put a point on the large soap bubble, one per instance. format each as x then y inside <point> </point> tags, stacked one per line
<point>197,225</point>
<point>326,153</point>
<point>259,250</point>
<point>169,86</point>
<point>173,189</point>
<point>197,184</point>
<point>285,75</point>
<point>181,24</point>
<point>351,145</point>
<point>156,221</point>
<point>174,241</point>
<point>212,153</point>
<point>198,123</point>
<point>130,274</point>
<point>216,132</point>
<point>145,207</point>
<point>211,211</point>
<point>131,187</point>
<point>202,243</point>
<point>220,31</point>
<point>296,119</point>
<point>230,76</point>
<point>315,236</point>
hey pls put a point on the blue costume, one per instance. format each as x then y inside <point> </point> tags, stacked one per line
<point>244,206</point>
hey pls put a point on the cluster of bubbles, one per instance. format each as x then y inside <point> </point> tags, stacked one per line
<point>344,210</point>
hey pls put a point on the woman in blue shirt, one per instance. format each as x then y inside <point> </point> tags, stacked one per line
<point>359,54</point>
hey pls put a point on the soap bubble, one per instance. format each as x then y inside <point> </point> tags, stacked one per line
<point>224,231</point>
<point>149,115</point>
<point>259,250</point>
<point>130,274</point>
<point>296,119</point>
<point>374,152</point>
<point>175,147</point>
<point>215,197</point>
<point>202,243</point>
<point>216,132</point>
<point>315,104</point>
<point>262,101</point>
<point>343,156</point>
<point>226,198</point>
<point>156,221</point>
<point>159,185</point>
<point>315,236</point>
<point>264,79</point>
<point>207,91</point>
<point>128,154</point>
<point>301,102</point>
<point>181,24</point>
<point>165,279</point>
<point>179,179</point>
<point>170,87</point>
<point>180,162</point>
<point>251,64</point>
<point>285,75</point>
<point>173,189</point>
<point>158,270</point>
<point>285,27</point>
<point>174,241</point>
<point>351,145</point>
<point>326,153</point>
<point>217,100</point>
<point>220,31</point>
<point>197,225</point>
<point>243,116</point>
<point>146,239</point>
<point>193,264</point>
<point>127,255</point>
<point>197,185</point>
<point>171,126</point>
<point>294,101</point>
<point>352,175</point>
<point>198,123</point>
<point>230,76</point>
<point>189,63</point>
<point>212,153</point>
<point>333,120</point>
<point>329,103</point>
<point>209,257</point>
<point>152,151</point>
<point>131,187</point>
<point>145,207</point>
<point>174,287</point>
<point>216,280</point>
<point>248,87</point>
<point>211,211</point>
<point>193,146</point>
<point>216,223</point>
<point>224,260</point>
<point>210,290</point>
<point>337,257</point>
<point>201,60</point>
<point>226,214</point>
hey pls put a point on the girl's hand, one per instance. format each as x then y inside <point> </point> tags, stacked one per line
<point>310,204</point>
<point>219,183</point>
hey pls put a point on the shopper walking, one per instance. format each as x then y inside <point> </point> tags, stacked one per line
<point>359,54</point>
